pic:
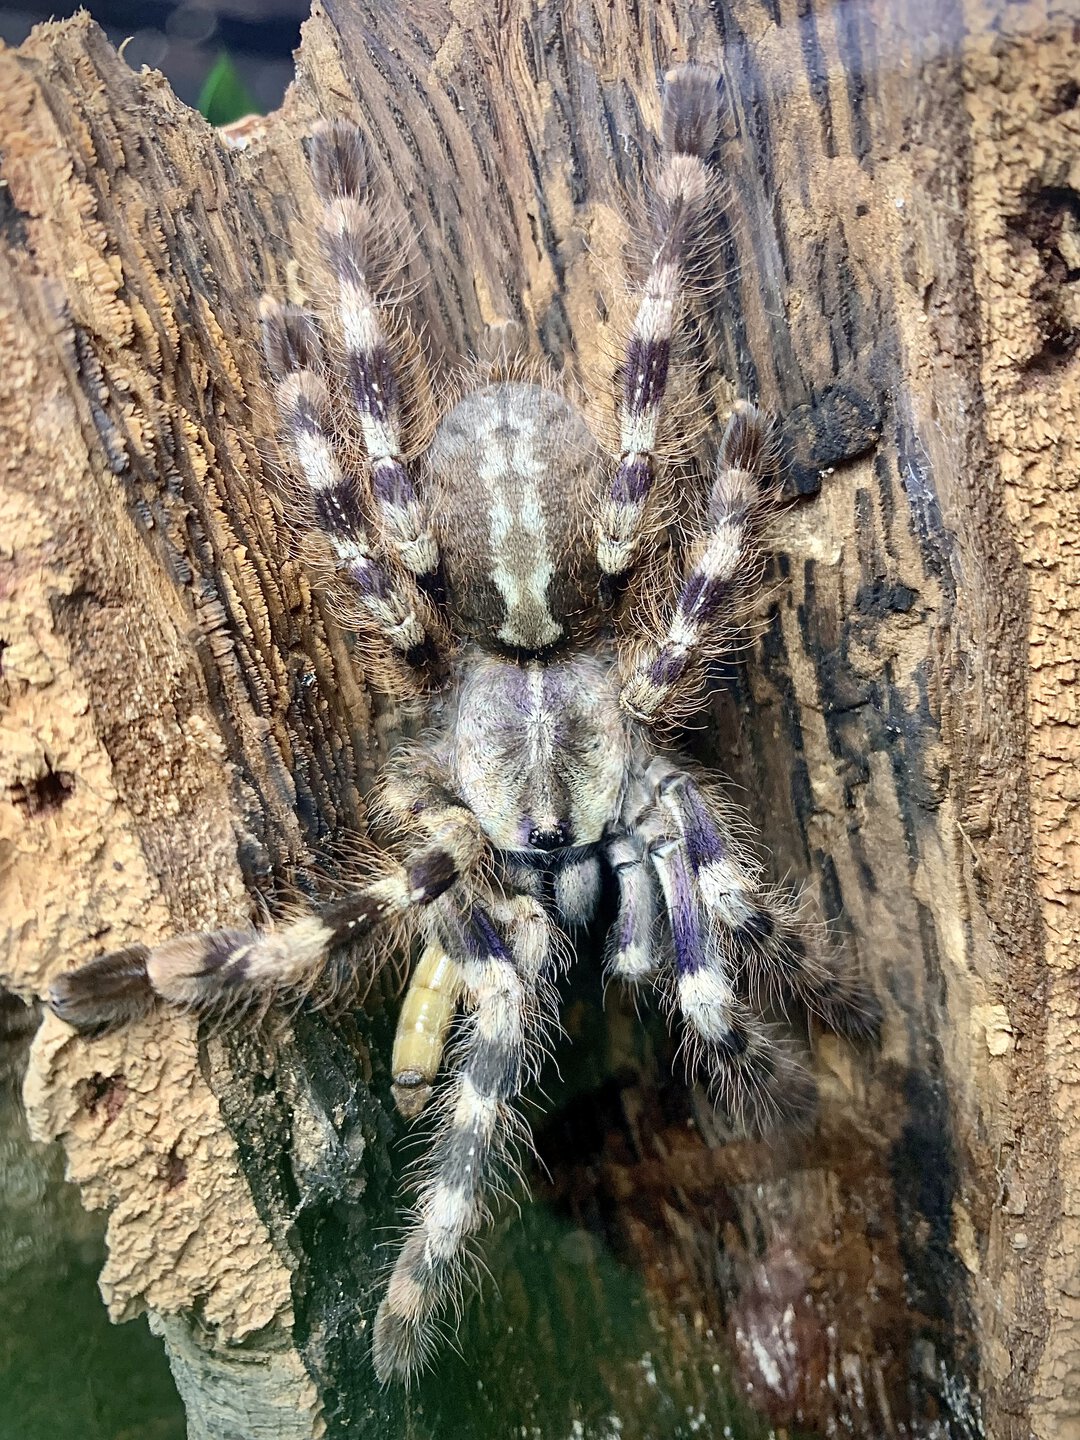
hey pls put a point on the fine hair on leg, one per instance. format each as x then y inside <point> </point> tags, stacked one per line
<point>387,602</point>
<point>510,1010</point>
<point>683,193</point>
<point>211,972</point>
<point>668,671</point>
<point>633,950</point>
<point>339,171</point>
<point>775,953</point>
<point>745,1062</point>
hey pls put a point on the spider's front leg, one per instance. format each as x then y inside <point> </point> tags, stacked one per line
<point>669,673</point>
<point>665,674</point>
<point>745,1061</point>
<point>348,234</point>
<point>734,942</point>
<point>759,923</point>
<point>633,947</point>
<point>333,377</point>
<point>684,191</point>
<point>215,971</point>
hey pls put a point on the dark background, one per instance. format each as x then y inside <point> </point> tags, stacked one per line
<point>186,40</point>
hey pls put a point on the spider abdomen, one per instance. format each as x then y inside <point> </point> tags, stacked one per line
<point>513,472</point>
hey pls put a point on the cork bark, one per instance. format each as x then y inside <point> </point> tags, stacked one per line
<point>188,737</point>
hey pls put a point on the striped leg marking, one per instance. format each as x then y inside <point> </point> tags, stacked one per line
<point>505,972</point>
<point>760,925</point>
<point>388,601</point>
<point>683,192</point>
<point>216,971</point>
<point>722,570</point>
<point>339,170</point>
<point>747,1067</point>
<point>417,798</point>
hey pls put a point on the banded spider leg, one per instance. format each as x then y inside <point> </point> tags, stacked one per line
<point>210,972</point>
<point>733,942</point>
<point>683,193</point>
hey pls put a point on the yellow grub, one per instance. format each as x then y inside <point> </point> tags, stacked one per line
<point>428,1008</point>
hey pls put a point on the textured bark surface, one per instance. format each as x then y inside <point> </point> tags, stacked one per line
<point>187,737</point>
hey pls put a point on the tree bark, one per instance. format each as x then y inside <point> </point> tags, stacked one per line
<point>188,738</point>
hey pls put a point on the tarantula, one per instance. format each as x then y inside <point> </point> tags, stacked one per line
<point>544,769</point>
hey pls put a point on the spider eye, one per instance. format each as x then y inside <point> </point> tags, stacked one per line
<point>554,838</point>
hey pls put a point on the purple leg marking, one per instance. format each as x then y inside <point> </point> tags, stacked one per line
<point>683,908</point>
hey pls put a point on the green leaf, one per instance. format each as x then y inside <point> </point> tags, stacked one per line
<point>224,96</point>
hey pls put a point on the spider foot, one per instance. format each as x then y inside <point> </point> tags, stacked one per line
<point>760,1086</point>
<point>104,994</point>
<point>852,1011</point>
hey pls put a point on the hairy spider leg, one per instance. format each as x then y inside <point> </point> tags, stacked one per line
<point>215,971</point>
<point>760,924</point>
<point>211,971</point>
<point>389,601</point>
<point>744,1060</point>
<point>668,681</point>
<point>339,170</point>
<point>683,192</point>
<point>633,955</point>
<point>510,1011</point>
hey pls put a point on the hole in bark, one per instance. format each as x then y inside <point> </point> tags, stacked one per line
<point>1066,98</point>
<point>109,1091</point>
<point>18,1021</point>
<point>12,220</point>
<point>48,792</point>
<point>1050,225</point>
<point>173,1169</point>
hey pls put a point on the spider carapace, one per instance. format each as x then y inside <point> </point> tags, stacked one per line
<point>490,570</point>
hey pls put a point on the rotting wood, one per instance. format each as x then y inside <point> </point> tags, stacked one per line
<point>185,728</point>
